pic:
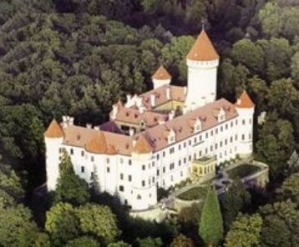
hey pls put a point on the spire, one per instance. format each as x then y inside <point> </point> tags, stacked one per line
<point>203,49</point>
<point>97,144</point>
<point>244,101</point>
<point>142,146</point>
<point>161,74</point>
<point>54,130</point>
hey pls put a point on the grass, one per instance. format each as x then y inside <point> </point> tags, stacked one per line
<point>242,171</point>
<point>195,193</point>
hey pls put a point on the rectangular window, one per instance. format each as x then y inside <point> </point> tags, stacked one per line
<point>143,167</point>
<point>243,122</point>
<point>82,169</point>
<point>171,166</point>
<point>82,153</point>
<point>185,160</point>
<point>164,169</point>
<point>163,154</point>
<point>108,160</point>
<point>153,179</point>
<point>108,169</point>
<point>130,178</point>
<point>121,188</point>
<point>121,160</point>
<point>180,162</point>
<point>72,151</point>
<point>143,183</point>
<point>130,162</point>
<point>92,158</point>
<point>158,156</point>
<point>207,135</point>
<point>158,172</point>
<point>121,176</point>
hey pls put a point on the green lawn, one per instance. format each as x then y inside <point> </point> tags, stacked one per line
<point>194,193</point>
<point>242,171</point>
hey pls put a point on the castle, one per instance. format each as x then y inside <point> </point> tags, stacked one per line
<point>158,138</point>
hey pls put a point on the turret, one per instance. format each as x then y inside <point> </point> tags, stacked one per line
<point>145,193</point>
<point>161,77</point>
<point>202,62</point>
<point>245,108</point>
<point>53,139</point>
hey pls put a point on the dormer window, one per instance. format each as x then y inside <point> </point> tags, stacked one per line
<point>221,115</point>
<point>197,126</point>
<point>171,137</point>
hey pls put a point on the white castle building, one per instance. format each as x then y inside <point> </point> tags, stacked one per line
<point>159,138</point>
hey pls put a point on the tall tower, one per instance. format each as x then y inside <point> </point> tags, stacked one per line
<point>202,62</point>
<point>53,139</point>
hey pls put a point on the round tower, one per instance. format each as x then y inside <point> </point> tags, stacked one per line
<point>161,77</point>
<point>53,140</point>
<point>145,191</point>
<point>202,62</point>
<point>245,109</point>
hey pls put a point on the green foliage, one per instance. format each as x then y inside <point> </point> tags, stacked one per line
<point>82,241</point>
<point>62,223</point>
<point>280,224</point>
<point>70,188</point>
<point>149,242</point>
<point>236,200</point>
<point>17,228</point>
<point>290,189</point>
<point>211,224</point>
<point>245,231</point>
<point>99,221</point>
<point>181,241</point>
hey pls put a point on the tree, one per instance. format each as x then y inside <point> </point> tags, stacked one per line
<point>17,228</point>
<point>82,241</point>
<point>149,242</point>
<point>62,223</point>
<point>99,221</point>
<point>290,189</point>
<point>70,188</point>
<point>181,241</point>
<point>236,200</point>
<point>245,231</point>
<point>280,224</point>
<point>211,223</point>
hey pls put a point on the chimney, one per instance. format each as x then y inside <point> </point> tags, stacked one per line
<point>114,111</point>
<point>64,121</point>
<point>138,101</point>
<point>88,126</point>
<point>141,109</point>
<point>129,101</point>
<point>171,115</point>
<point>131,132</point>
<point>185,90</point>
<point>185,110</point>
<point>152,98</point>
<point>96,128</point>
<point>71,121</point>
<point>167,93</point>
<point>238,101</point>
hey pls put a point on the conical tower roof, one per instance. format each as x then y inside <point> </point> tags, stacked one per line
<point>98,144</point>
<point>161,74</point>
<point>54,130</point>
<point>203,49</point>
<point>142,146</point>
<point>244,101</point>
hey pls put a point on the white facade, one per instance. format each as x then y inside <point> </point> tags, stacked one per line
<point>202,82</point>
<point>135,176</point>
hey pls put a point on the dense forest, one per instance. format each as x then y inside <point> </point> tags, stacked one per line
<point>78,57</point>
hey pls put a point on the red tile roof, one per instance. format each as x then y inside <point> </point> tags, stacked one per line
<point>142,146</point>
<point>203,49</point>
<point>54,130</point>
<point>161,74</point>
<point>155,138</point>
<point>97,144</point>
<point>244,101</point>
